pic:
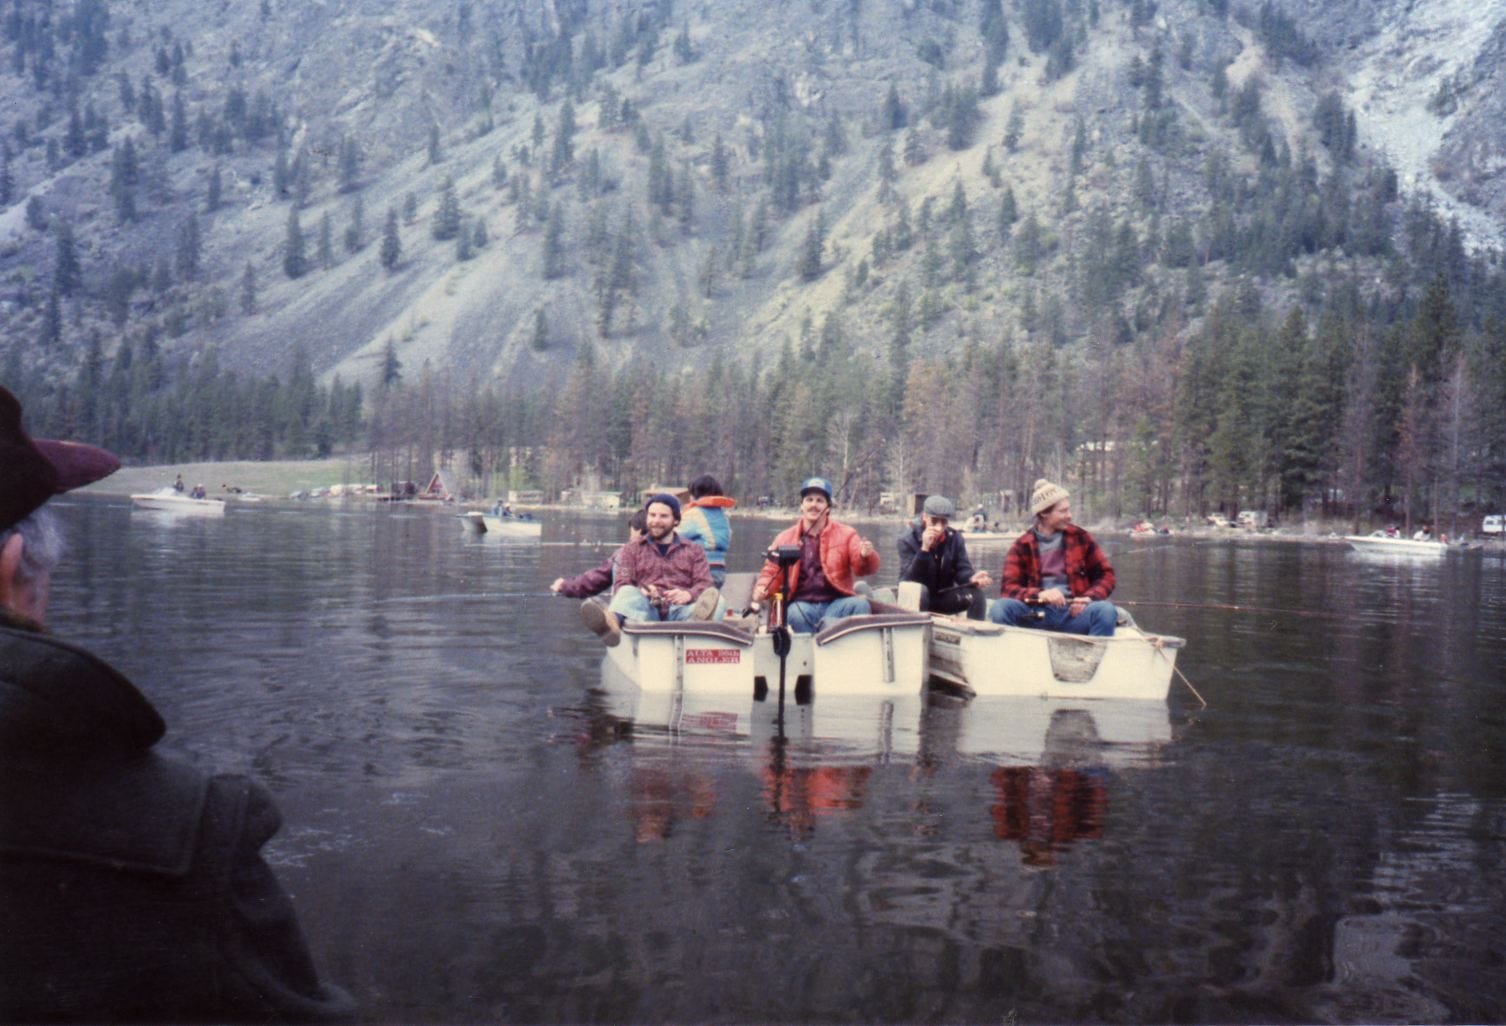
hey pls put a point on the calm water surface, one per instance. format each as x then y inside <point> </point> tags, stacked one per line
<point>477,830</point>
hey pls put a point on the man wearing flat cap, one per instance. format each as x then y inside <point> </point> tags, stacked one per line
<point>132,887</point>
<point>934,556</point>
<point>1056,578</point>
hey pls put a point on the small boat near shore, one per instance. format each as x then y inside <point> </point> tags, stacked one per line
<point>1380,544</point>
<point>989,659</point>
<point>169,500</point>
<point>476,522</point>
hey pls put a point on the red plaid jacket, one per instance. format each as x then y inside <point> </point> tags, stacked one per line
<point>1088,570</point>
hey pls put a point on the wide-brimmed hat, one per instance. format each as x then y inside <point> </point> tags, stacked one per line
<point>33,470</point>
<point>1045,496</point>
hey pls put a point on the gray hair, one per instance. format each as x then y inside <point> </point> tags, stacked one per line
<point>42,544</point>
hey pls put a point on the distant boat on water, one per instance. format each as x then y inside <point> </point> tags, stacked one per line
<point>1380,543</point>
<point>169,500</point>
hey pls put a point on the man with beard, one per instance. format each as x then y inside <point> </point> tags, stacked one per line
<point>660,576</point>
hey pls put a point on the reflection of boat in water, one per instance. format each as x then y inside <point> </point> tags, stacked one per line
<point>989,659</point>
<point>476,522</point>
<point>169,500</point>
<point>1023,730</point>
<point>1379,544</point>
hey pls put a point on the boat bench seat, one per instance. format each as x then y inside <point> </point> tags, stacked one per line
<point>690,628</point>
<point>851,624</point>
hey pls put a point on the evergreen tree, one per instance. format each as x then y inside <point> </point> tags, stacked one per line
<point>554,243</point>
<point>249,290</point>
<point>294,262</point>
<point>212,193</point>
<point>812,250</point>
<point>349,173</point>
<point>326,242</point>
<point>392,245</point>
<point>540,338</point>
<point>447,215</point>
<point>67,276</point>
<point>189,248</point>
<point>178,136</point>
<point>355,231</point>
<point>52,321</point>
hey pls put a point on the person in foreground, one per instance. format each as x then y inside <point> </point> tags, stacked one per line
<point>660,576</point>
<point>934,556</point>
<point>1056,578</point>
<point>132,886</point>
<point>819,587</point>
<point>600,577</point>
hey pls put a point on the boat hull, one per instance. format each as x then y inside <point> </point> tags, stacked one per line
<point>180,505</point>
<point>877,654</point>
<point>988,659</point>
<point>476,522</point>
<point>1395,546</point>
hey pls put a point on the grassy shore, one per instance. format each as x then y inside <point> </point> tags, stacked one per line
<point>275,478</point>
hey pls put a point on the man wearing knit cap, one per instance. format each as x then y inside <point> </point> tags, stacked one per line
<point>660,576</point>
<point>1056,578</point>
<point>132,884</point>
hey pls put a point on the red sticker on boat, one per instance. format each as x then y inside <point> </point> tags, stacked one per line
<point>713,655</point>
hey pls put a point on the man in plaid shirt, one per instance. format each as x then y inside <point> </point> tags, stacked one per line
<point>1056,578</point>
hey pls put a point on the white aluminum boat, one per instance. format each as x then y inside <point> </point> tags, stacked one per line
<point>988,659</point>
<point>168,500</point>
<point>1379,544</point>
<point>875,654</point>
<point>477,522</point>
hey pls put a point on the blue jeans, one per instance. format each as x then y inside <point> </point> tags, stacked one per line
<point>1097,620</point>
<point>631,604</point>
<point>810,617</point>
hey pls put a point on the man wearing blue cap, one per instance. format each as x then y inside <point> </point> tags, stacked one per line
<point>821,586</point>
<point>660,576</point>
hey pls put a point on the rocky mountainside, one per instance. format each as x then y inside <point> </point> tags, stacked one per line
<point>491,187</point>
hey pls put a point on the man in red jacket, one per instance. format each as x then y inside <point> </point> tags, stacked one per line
<point>1056,578</point>
<point>820,587</point>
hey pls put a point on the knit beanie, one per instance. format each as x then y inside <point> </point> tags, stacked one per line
<point>668,500</point>
<point>1045,496</point>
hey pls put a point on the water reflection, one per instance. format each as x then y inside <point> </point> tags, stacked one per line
<point>1048,766</point>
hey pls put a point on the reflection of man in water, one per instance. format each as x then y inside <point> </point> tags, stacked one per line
<point>132,885</point>
<point>1045,810</point>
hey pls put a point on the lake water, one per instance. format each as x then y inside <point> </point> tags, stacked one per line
<point>475,833</point>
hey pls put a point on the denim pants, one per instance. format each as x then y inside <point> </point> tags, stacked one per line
<point>809,617</point>
<point>1097,619</point>
<point>631,604</point>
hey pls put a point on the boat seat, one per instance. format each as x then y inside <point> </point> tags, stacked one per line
<point>851,624</point>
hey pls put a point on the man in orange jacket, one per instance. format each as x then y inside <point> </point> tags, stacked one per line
<point>820,586</point>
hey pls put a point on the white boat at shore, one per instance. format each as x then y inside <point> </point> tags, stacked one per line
<point>476,522</point>
<point>169,500</point>
<point>988,659</point>
<point>1380,544</point>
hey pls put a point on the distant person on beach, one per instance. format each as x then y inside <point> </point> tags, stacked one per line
<point>600,577</point>
<point>132,884</point>
<point>1056,578</point>
<point>934,556</point>
<point>705,523</point>
<point>820,587</point>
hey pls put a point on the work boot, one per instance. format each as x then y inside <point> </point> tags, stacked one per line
<point>602,622</point>
<point>705,604</point>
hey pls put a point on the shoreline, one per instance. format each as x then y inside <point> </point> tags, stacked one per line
<point>278,479</point>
